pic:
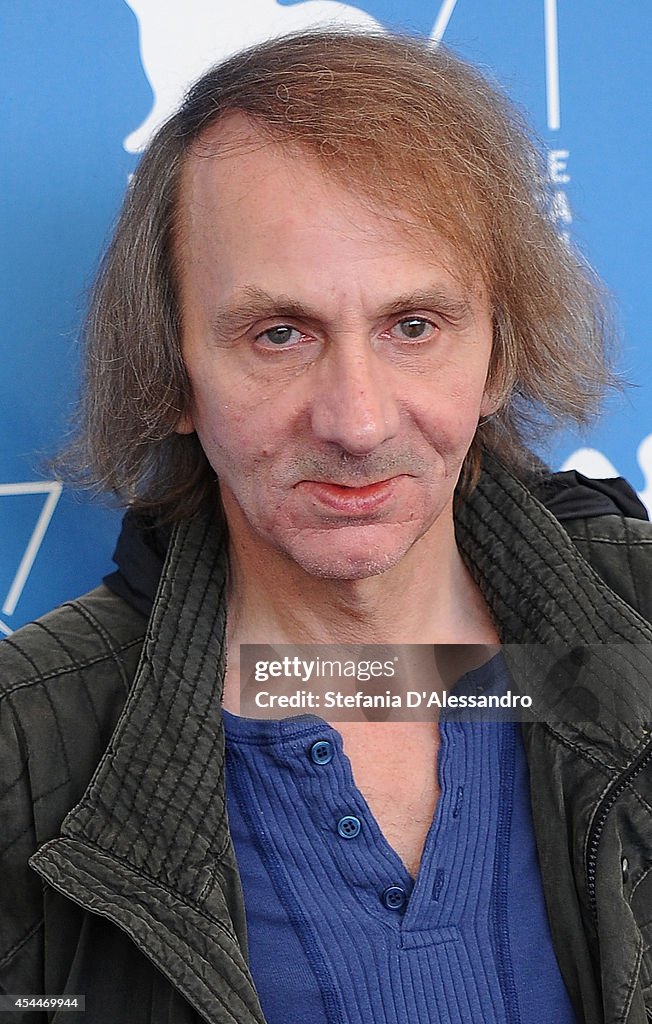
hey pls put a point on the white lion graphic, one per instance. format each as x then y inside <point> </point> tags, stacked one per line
<point>181,40</point>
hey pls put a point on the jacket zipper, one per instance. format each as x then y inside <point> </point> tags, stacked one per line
<point>600,820</point>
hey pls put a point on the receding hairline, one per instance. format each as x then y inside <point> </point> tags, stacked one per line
<point>236,132</point>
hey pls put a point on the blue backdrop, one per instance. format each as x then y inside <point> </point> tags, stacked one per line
<point>84,86</point>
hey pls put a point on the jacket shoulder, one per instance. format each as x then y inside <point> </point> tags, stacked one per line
<point>63,683</point>
<point>99,627</point>
<point>620,551</point>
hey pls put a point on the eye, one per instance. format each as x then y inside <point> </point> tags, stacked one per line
<point>280,336</point>
<point>413,328</point>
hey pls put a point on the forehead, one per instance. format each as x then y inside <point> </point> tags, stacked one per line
<point>238,166</point>
<point>246,195</point>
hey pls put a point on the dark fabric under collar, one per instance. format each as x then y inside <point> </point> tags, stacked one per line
<point>139,555</point>
<point>571,495</point>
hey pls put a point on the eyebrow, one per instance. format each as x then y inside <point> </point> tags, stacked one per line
<point>255,303</point>
<point>441,301</point>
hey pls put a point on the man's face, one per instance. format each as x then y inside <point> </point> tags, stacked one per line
<point>337,361</point>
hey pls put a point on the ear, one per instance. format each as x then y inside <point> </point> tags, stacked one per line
<point>185,423</point>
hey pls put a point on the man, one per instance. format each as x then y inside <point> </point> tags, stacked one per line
<point>333,311</point>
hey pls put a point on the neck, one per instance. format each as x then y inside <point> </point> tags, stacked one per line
<point>429,597</point>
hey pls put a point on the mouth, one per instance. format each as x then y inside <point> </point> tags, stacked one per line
<point>351,498</point>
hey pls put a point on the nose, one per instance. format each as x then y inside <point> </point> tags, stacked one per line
<point>354,404</point>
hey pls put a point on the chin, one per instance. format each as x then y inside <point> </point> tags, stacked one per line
<point>348,561</point>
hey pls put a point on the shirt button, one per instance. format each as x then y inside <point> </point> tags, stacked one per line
<point>321,752</point>
<point>394,897</point>
<point>349,826</point>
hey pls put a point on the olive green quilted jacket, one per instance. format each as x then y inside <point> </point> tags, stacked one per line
<point>112,785</point>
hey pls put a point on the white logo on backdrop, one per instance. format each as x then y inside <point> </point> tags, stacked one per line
<point>591,462</point>
<point>179,41</point>
<point>52,489</point>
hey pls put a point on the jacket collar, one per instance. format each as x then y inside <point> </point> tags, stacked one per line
<point>153,819</point>
<point>538,587</point>
<point>148,845</point>
<point>571,643</point>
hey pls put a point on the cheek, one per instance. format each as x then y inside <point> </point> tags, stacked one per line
<point>465,405</point>
<point>450,422</point>
<point>236,442</point>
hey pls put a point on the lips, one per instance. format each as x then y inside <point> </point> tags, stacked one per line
<point>350,499</point>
